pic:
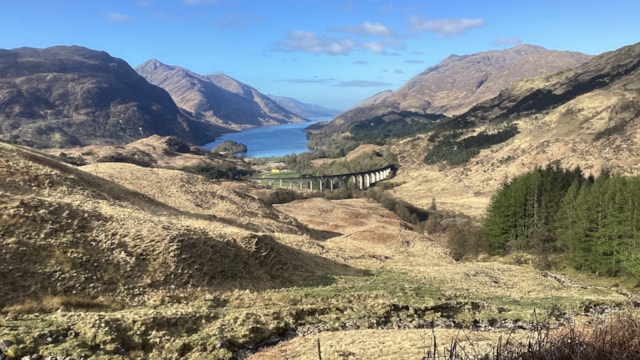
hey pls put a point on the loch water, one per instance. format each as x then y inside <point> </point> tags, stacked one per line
<point>270,141</point>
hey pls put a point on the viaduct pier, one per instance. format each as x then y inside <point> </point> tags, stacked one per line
<point>361,180</point>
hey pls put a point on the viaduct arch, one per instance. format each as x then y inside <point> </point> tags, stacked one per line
<point>362,180</point>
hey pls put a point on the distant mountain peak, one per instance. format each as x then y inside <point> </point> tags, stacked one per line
<point>216,98</point>
<point>153,64</point>
<point>461,81</point>
<point>304,109</point>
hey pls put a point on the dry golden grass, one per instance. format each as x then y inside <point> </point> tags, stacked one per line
<point>617,338</point>
<point>50,303</point>
<point>208,263</point>
<point>566,135</point>
<point>153,149</point>
<point>386,344</point>
<point>68,232</point>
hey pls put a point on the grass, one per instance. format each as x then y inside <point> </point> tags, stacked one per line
<point>384,307</point>
<point>280,175</point>
<point>49,304</point>
<point>348,314</point>
<point>616,338</point>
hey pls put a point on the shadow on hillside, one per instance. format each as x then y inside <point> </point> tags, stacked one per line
<point>58,248</point>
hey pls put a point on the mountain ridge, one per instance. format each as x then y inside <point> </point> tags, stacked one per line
<point>217,98</point>
<point>302,109</point>
<point>460,81</point>
<point>588,116</point>
<point>70,95</point>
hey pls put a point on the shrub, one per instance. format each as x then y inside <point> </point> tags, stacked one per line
<point>213,172</point>
<point>73,160</point>
<point>455,151</point>
<point>466,242</point>
<point>230,147</point>
<point>177,145</point>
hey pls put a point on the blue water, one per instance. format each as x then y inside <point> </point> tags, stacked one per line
<point>270,141</point>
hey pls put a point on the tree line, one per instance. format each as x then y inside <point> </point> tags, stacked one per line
<point>593,221</point>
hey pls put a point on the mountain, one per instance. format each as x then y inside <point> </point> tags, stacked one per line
<point>613,76</point>
<point>218,98</point>
<point>588,116</point>
<point>459,82</point>
<point>69,95</point>
<point>304,109</point>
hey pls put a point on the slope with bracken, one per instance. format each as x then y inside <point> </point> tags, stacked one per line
<point>588,117</point>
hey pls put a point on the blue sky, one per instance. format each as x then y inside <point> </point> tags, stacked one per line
<point>333,53</point>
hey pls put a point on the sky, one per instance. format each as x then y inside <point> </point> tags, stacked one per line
<point>333,53</point>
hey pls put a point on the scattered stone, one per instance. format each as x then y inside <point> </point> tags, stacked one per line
<point>4,346</point>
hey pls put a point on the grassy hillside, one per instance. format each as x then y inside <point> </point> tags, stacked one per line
<point>162,264</point>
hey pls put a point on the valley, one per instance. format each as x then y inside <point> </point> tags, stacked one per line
<point>121,248</point>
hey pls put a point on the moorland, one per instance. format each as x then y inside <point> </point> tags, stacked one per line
<point>508,229</point>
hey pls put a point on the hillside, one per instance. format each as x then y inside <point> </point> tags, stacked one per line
<point>68,96</point>
<point>81,233</point>
<point>459,82</point>
<point>218,98</point>
<point>588,117</point>
<point>158,263</point>
<point>153,151</point>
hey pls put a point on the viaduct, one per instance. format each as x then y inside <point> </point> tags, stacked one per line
<point>362,180</point>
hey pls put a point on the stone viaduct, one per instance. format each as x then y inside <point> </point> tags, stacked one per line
<point>362,180</point>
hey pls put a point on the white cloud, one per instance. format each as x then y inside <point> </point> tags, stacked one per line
<point>445,26</point>
<point>379,47</point>
<point>374,46</point>
<point>118,17</point>
<point>306,41</point>
<point>366,29</point>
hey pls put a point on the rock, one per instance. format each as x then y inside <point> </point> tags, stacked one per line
<point>4,345</point>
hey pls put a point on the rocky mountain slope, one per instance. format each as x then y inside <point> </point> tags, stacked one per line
<point>218,98</point>
<point>305,110</point>
<point>68,95</point>
<point>459,82</point>
<point>588,116</point>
